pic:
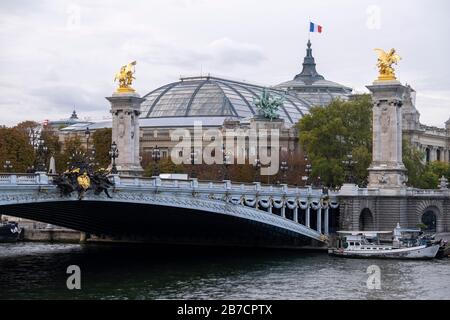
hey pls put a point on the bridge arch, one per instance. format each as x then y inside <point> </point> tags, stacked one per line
<point>430,213</point>
<point>366,220</point>
<point>171,209</point>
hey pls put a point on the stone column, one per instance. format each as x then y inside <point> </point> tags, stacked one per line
<point>125,109</point>
<point>319,220</point>
<point>326,218</point>
<point>308,216</point>
<point>296,214</point>
<point>387,169</point>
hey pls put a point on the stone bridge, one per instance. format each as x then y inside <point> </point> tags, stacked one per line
<point>177,211</point>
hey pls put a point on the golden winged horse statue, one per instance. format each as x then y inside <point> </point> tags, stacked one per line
<point>385,62</point>
<point>125,77</point>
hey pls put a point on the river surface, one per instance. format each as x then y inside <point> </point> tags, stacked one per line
<point>38,271</point>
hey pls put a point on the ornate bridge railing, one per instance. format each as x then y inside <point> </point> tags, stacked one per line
<point>272,204</point>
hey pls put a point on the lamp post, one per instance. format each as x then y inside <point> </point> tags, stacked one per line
<point>91,163</point>
<point>41,150</point>
<point>114,153</point>
<point>156,156</point>
<point>8,166</point>
<point>349,164</point>
<point>33,135</point>
<point>284,168</point>
<point>257,168</point>
<point>308,170</point>
<point>87,134</point>
<point>77,160</point>
<point>193,156</point>
<point>226,163</point>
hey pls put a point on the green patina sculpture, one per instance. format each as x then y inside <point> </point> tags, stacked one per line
<point>268,106</point>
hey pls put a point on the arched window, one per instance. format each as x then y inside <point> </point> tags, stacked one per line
<point>429,219</point>
<point>366,220</point>
<point>427,154</point>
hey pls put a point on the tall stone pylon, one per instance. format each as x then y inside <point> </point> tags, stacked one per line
<point>125,110</point>
<point>387,170</point>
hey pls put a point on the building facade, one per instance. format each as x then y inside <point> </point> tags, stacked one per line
<point>223,103</point>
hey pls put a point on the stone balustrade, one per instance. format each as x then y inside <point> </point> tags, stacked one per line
<point>267,198</point>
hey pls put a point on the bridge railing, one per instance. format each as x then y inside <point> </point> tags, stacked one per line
<point>225,186</point>
<point>21,179</point>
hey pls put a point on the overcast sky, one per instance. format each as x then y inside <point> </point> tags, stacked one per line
<point>57,55</point>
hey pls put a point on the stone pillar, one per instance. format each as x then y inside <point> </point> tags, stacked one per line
<point>326,222</point>
<point>308,216</point>
<point>125,109</point>
<point>319,220</point>
<point>387,169</point>
<point>296,214</point>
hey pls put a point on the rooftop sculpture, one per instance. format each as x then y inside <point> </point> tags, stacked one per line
<point>385,62</point>
<point>125,78</point>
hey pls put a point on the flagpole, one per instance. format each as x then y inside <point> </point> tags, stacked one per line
<point>309,30</point>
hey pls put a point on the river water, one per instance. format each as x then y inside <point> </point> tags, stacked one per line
<point>38,271</point>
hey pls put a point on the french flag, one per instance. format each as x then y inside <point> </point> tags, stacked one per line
<point>313,27</point>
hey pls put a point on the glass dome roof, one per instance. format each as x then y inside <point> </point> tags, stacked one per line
<point>211,97</point>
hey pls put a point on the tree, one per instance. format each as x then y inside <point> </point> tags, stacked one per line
<point>72,146</point>
<point>329,133</point>
<point>165,165</point>
<point>102,144</point>
<point>413,161</point>
<point>15,147</point>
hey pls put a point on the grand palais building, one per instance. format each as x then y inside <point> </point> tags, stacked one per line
<point>227,104</point>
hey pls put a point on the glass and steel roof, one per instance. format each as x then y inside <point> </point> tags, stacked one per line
<point>207,96</point>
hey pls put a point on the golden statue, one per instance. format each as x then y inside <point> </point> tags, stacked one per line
<point>125,77</point>
<point>385,62</point>
<point>84,181</point>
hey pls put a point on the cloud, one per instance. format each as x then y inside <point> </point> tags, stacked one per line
<point>217,53</point>
<point>60,54</point>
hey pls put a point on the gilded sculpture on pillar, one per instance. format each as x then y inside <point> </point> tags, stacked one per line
<point>385,62</point>
<point>125,77</point>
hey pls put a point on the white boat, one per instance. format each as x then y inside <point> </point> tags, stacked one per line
<point>406,244</point>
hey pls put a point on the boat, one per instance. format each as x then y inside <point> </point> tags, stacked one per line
<point>405,244</point>
<point>9,231</point>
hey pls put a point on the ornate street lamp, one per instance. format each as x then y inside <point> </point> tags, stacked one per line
<point>226,163</point>
<point>284,168</point>
<point>156,156</point>
<point>349,164</point>
<point>257,169</point>
<point>91,161</point>
<point>8,166</point>
<point>41,150</point>
<point>87,134</point>
<point>114,153</point>
<point>308,171</point>
<point>34,135</point>
<point>77,160</point>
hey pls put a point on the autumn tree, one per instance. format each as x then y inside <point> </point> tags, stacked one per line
<point>329,133</point>
<point>72,146</point>
<point>102,144</point>
<point>15,147</point>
